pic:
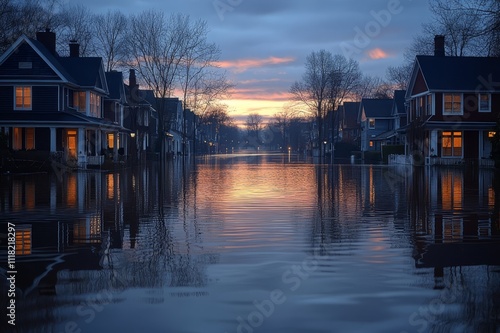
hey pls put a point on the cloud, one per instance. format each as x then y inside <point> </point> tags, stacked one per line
<point>259,94</point>
<point>242,65</point>
<point>378,53</point>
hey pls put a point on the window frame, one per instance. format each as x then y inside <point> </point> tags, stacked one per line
<point>453,135</point>
<point>479,103</point>
<point>452,112</point>
<point>23,107</point>
<point>370,120</point>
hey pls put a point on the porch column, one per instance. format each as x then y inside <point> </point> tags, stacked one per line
<point>53,140</point>
<point>115,146</point>
<point>433,149</point>
<point>82,154</point>
<point>98,144</point>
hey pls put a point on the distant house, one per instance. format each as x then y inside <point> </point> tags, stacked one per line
<point>174,123</point>
<point>348,122</point>
<point>51,107</point>
<point>141,118</point>
<point>454,103</point>
<point>375,119</point>
<point>114,111</point>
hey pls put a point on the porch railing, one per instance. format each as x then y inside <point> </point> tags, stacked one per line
<point>95,160</point>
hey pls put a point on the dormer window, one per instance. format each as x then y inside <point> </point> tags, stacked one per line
<point>371,123</point>
<point>22,98</point>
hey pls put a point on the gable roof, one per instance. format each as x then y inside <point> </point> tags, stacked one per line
<point>351,110</point>
<point>86,72</point>
<point>42,52</point>
<point>116,86</point>
<point>399,102</point>
<point>377,108</point>
<point>460,74</point>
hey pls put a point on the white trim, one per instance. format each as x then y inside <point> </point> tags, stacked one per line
<point>461,112</point>
<point>18,42</point>
<point>15,108</point>
<point>479,102</point>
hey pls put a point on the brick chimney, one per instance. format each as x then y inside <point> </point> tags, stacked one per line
<point>74,49</point>
<point>132,81</point>
<point>48,39</point>
<point>439,46</point>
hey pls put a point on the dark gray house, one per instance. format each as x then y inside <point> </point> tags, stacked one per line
<point>375,119</point>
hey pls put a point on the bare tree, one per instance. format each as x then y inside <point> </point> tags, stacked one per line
<point>76,25</point>
<point>111,33</point>
<point>399,76</point>
<point>157,47</point>
<point>282,121</point>
<point>25,17</point>
<point>254,124</point>
<point>327,81</point>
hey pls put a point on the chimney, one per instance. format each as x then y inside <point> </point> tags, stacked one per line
<point>74,49</point>
<point>132,82</point>
<point>439,46</point>
<point>48,39</point>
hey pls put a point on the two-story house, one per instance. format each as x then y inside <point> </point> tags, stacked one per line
<point>141,117</point>
<point>375,119</point>
<point>348,122</point>
<point>114,112</point>
<point>52,106</point>
<point>173,117</point>
<point>454,103</point>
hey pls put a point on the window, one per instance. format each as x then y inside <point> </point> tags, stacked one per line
<point>371,144</point>
<point>80,101</point>
<point>452,104</point>
<point>371,123</point>
<point>29,138</point>
<point>111,140</point>
<point>452,144</point>
<point>95,105</point>
<point>429,105</point>
<point>17,138</point>
<point>484,101</point>
<point>23,98</point>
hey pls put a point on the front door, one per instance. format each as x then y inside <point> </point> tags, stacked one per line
<point>71,143</point>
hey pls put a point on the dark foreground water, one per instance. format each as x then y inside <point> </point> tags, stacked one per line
<point>253,244</point>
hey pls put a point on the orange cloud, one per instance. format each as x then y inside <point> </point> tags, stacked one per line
<point>377,54</point>
<point>242,65</point>
<point>259,94</point>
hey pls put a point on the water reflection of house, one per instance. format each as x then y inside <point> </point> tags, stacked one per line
<point>459,228</point>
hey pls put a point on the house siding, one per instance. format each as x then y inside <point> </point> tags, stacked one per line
<point>45,98</point>
<point>420,86</point>
<point>6,98</point>
<point>39,69</point>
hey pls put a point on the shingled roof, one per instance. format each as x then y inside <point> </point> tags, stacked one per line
<point>465,74</point>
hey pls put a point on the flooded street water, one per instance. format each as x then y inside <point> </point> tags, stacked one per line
<point>256,243</point>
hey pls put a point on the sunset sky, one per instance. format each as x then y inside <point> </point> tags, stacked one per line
<point>264,43</point>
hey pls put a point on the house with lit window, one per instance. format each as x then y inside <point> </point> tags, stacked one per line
<point>454,103</point>
<point>141,118</point>
<point>375,119</point>
<point>51,107</point>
